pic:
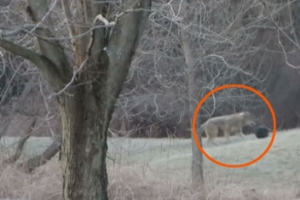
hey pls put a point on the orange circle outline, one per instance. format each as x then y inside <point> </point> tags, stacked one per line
<point>226,87</point>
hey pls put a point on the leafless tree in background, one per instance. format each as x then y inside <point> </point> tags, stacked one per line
<point>191,55</point>
<point>228,42</point>
<point>23,96</point>
<point>159,95</point>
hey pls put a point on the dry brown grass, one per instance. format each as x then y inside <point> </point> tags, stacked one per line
<point>128,183</point>
<point>44,183</point>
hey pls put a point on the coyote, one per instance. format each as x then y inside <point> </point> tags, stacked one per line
<point>229,124</point>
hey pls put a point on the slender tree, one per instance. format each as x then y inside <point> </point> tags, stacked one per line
<point>191,57</point>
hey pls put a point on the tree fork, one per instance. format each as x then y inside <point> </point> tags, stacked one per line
<point>87,101</point>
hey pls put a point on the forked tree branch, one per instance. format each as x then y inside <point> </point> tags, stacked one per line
<point>122,44</point>
<point>43,63</point>
<point>52,49</point>
<point>21,51</point>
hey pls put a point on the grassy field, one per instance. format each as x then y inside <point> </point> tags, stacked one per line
<point>170,159</point>
<point>280,166</point>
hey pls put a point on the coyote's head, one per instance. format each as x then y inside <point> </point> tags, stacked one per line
<point>248,118</point>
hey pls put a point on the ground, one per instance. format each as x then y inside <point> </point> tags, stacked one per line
<point>280,166</point>
<point>171,158</point>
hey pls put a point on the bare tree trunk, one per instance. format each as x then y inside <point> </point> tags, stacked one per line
<point>88,101</point>
<point>197,157</point>
<point>190,60</point>
<point>84,146</point>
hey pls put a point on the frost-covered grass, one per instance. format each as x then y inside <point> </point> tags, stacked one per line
<point>160,169</point>
<point>279,167</point>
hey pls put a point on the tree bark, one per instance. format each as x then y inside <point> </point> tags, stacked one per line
<point>84,145</point>
<point>191,68</point>
<point>197,157</point>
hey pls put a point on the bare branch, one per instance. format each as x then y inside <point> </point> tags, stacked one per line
<point>118,50</point>
<point>69,17</point>
<point>21,51</point>
<point>49,70</point>
<point>20,146</point>
<point>278,27</point>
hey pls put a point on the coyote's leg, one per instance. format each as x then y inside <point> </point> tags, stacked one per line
<point>241,133</point>
<point>211,142</point>
<point>227,134</point>
<point>211,134</point>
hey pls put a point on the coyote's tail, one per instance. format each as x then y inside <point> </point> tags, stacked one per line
<point>200,130</point>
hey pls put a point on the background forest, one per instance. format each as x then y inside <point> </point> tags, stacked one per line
<point>187,49</point>
<point>233,42</point>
